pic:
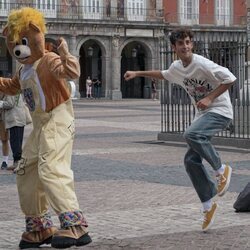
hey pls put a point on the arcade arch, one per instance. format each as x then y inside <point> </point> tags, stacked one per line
<point>136,55</point>
<point>90,59</point>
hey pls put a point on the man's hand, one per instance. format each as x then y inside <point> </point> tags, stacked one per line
<point>204,103</point>
<point>129,75</point>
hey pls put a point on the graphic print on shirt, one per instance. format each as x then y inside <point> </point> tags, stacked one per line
<point>29,98</point>
<point>198,89</point>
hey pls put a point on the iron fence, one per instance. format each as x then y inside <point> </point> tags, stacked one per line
<point>229,50</point>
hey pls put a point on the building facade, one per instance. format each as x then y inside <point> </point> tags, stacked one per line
<point>108,37</point>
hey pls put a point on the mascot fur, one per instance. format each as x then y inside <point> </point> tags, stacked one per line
<point>44,175</point>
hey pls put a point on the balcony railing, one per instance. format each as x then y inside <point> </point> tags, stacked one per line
<point>80,12</point>
<point>200,19</point>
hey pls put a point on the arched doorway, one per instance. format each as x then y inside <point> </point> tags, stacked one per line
<point>91,64</point>
<point>133,58</point>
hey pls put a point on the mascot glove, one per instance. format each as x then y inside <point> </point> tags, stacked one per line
<point>62,48</point>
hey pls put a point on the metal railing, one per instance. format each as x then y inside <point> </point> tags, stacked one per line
<point>195,19</point>
<point>84,12</point>
<point>231,52</point>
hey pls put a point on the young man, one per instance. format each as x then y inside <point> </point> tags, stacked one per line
<point>207,84</point>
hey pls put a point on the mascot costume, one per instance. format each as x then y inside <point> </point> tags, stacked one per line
<point>44,175</point>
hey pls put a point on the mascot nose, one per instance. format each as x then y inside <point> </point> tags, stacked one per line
<point>17,52</point>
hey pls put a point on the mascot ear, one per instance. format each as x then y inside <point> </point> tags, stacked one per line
<point>34,27</point>
<point>5,31</point>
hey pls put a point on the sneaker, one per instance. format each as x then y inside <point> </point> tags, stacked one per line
<point>4,165</point>
<point>208,218</point>
<point>223,180</point>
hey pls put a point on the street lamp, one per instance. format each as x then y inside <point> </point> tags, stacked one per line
<point>90,51</point>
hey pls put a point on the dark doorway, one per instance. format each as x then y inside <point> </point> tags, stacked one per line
<point>91,64</point>
<point>133,58</point>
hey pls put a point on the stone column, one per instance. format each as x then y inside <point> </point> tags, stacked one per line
<point>72,45</point>
<point>116,69</point>
<point>106,76</point>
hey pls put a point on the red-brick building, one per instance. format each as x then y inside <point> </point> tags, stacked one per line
<point>206,12</point>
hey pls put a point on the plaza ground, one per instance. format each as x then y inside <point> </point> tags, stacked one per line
<point>133,189</point>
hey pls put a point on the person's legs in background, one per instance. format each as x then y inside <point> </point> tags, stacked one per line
<point>4,137</point>
<point>16,141</point>
<point>90,92</point>
<point>99,92</point>
<point>95,92</point>
<point>154,95</point>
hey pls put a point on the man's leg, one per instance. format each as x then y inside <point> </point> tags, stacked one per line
<point>198,136</point>
<point>4,136</point>
<point>16,141</point>
<point>202,182</point>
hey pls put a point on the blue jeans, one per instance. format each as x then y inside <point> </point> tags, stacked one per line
<point>198,137</point>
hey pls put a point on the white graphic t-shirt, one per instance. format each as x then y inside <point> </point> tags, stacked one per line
<point>199,78</point>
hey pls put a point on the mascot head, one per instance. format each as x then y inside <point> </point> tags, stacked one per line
<point>24,34</point>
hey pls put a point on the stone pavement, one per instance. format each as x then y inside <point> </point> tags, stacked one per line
<point>133,189</point>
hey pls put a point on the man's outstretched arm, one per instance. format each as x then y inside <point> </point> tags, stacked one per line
<point>150,74</point>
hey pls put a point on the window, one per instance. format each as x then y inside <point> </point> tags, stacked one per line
<point>4,8</point>
<point>136,10</point>
<point>189,12</point>
<point>48,7</point>
<point>92,9</point>
<point>222,12</point>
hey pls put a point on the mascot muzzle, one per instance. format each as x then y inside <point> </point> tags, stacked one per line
<point>21,52</point>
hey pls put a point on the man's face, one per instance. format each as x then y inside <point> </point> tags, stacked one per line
<point>183,48</point>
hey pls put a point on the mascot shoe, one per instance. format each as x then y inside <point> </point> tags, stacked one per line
<point>72,236</point>
<point>37,238</point>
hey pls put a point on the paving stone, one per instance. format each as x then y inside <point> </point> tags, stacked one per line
<point>134,191</point>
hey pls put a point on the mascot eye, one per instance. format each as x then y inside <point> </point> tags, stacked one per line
<point>24,41</point>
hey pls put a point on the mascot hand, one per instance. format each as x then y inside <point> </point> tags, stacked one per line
<point>62,48</point>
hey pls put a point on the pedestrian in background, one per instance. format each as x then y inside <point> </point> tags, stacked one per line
<point>14,117</point>
<point>207,84</point>
<point>4,137</point>
<point>97,87</point>
<point>153,89</point>
<point>89,88</point>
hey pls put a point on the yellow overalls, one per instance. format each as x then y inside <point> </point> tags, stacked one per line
<point>44,175</point>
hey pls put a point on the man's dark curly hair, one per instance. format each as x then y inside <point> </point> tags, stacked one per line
<point>180,34</point>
